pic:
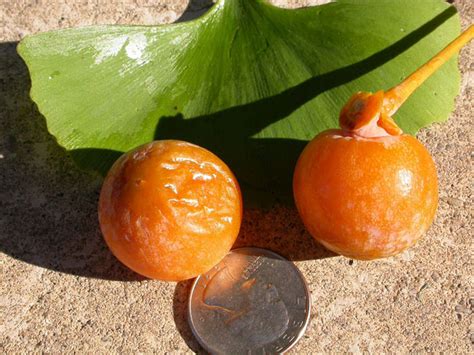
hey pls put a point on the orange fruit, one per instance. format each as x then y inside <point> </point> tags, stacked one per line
<point>170,210</point>
<point>366,191</point>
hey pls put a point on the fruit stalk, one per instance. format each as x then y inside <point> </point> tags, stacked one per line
<point>396,96</point>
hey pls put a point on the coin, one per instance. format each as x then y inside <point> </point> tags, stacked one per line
<point>253,302</point>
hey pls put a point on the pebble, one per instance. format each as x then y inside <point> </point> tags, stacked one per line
<point>454,201</point>
<point>435,276</point>
<point>407,255</point>
<point>462,309</point>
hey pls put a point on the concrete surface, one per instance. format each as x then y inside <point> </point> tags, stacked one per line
<point>62,291</point>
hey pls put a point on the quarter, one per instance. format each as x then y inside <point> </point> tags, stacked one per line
<point>253,302</point>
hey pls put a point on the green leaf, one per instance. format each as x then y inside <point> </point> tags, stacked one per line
<point>249,81</point>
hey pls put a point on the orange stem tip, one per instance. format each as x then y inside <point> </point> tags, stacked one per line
<point>369,115</point>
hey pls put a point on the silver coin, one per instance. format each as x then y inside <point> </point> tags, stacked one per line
<point>252,302</point>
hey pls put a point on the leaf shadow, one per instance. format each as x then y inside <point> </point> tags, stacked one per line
<point>228,133</point>
<point>195,9</point>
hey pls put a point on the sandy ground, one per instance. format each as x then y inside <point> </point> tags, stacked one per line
<point>62,291</point>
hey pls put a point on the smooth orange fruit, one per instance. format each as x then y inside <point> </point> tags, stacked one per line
<point>367,190</point>
<point>170,210</point>
<point>365,198</point>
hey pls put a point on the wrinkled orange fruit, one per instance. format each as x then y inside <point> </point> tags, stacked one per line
<point>170,210</point>
<point>366,191</point>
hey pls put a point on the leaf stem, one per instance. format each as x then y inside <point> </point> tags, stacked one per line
<point>396,96</point>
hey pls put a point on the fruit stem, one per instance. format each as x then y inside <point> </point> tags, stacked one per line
<point>396,96</point>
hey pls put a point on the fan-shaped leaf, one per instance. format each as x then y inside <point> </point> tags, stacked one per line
<point>249,81</point>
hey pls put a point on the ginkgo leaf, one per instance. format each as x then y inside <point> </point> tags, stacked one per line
<point>249,81</point>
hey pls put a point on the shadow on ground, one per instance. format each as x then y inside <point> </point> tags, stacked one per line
<point>195,9</point>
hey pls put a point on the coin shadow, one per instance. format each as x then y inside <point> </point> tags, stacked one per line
<point>180,315</point>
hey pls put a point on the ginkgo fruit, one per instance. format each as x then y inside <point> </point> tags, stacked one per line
<point>367,190</point>
<point>170,210</point>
